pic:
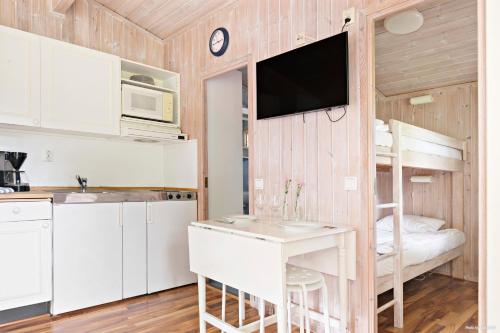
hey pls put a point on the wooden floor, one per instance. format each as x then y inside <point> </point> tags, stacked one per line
<point>436,304</point>
<point>170,311</point>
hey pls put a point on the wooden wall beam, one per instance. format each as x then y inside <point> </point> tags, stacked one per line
<point>61,6</point>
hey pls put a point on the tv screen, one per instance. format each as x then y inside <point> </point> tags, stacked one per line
<point>312,77</point>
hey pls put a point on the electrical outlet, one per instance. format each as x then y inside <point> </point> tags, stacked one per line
<point>349,13</point>
<point>48,156</point>
<point>351,183</point>
<point>259,184</point>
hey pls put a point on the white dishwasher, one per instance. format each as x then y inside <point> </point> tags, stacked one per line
<point>167,241</point>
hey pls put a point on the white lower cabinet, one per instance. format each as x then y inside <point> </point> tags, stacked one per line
<point>168,250</point>
<point>25,260</point>
<point>87,255</point>
<point>134,249</point>
<point>108,251</point>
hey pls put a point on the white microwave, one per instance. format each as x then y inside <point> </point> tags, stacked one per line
<point>144,103</point>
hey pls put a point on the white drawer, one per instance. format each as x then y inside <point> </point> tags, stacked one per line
<point>25,211</point>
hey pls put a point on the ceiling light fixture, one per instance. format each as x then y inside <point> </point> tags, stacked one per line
<point>404,22</point>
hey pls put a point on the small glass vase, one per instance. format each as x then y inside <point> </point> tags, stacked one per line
<point>284,209</point>
<point>298,212</point>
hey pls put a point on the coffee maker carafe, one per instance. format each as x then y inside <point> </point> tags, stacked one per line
<point>10,175</point>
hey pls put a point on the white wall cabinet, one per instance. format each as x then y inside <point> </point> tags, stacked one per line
<point>87,255</point>
<point>20,77</point>
<point>80,88</point>
<point>184,172</point>
<point>134,249</point>
<point>25,254</point>
<point>168,250</point>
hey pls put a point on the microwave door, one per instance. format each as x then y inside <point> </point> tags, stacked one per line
<point>142,103</point>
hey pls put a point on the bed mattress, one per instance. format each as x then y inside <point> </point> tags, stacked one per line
<point>383,140</point>
<point>418,247</point>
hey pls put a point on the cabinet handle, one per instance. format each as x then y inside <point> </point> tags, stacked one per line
<point>36,122</point>
<point>149,218</point>
<point>45,225</point>
<point>120,216</point>
<point>16,210</point>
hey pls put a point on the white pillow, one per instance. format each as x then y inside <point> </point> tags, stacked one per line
<point>411,223</point>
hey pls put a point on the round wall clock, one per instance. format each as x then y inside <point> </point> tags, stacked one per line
<point>219,41</point>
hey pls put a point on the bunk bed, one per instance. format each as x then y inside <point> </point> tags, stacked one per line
<point>399,145</point>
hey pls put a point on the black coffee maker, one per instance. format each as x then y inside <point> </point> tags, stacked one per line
<point>10,175</point>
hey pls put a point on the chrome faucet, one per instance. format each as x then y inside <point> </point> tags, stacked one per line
<point>82,182</point>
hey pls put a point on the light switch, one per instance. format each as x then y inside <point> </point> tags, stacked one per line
<point>259,184</point>
<point>351,183</point>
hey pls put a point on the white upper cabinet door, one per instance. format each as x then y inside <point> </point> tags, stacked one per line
<point>80,89</point>
<point>19,77</point>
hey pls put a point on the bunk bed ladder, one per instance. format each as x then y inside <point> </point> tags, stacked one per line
<point>397,211</point>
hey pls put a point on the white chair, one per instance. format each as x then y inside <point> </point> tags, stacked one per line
<point>302,281</point>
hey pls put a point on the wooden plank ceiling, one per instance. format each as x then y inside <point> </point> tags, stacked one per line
<point>163,17</point>
<point>442,52</point>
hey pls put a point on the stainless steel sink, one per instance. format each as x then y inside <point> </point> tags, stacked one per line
<point>76,191</point>
<point>100,196</point>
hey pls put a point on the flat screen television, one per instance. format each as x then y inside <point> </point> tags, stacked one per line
<point>309,78</point>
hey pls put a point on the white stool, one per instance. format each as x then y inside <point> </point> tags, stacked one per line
<point>301,281</point>
<point>298,280</point>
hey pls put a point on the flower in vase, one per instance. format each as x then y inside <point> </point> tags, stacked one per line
<point>297,196</point>
<point>284,208</point>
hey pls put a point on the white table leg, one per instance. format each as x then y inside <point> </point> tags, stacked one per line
<point>343,288</point>
<point>241,307</point>
<point>281,306</point>
<point>262,315</point>
<point>223,314</point>
<point>202,299</point>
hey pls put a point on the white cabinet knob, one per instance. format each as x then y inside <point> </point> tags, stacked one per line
<point>16,210</point>
<point>45,225</point>
<point>36,122</point>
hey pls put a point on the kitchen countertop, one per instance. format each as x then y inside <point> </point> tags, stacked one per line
<point>98,196</point>
<point>29,195</point>
<point>48,193</point>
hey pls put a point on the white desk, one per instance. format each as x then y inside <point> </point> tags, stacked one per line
<point>252,256</point>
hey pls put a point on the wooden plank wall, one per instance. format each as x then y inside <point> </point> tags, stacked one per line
<point>454,113</point>
<point>86,23</point>
<point>315,151</point>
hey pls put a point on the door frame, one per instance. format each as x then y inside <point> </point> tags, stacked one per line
<point>368,107</point>
<point>247,62</point>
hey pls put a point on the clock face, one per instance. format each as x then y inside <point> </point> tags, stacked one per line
<point>219,41</point>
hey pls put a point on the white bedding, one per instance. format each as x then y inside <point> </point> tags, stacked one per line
<point>417,247</point>
<point>384,139</point>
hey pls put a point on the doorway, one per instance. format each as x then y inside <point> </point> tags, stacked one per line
<point>426,77</point>
<point>227,143</point>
